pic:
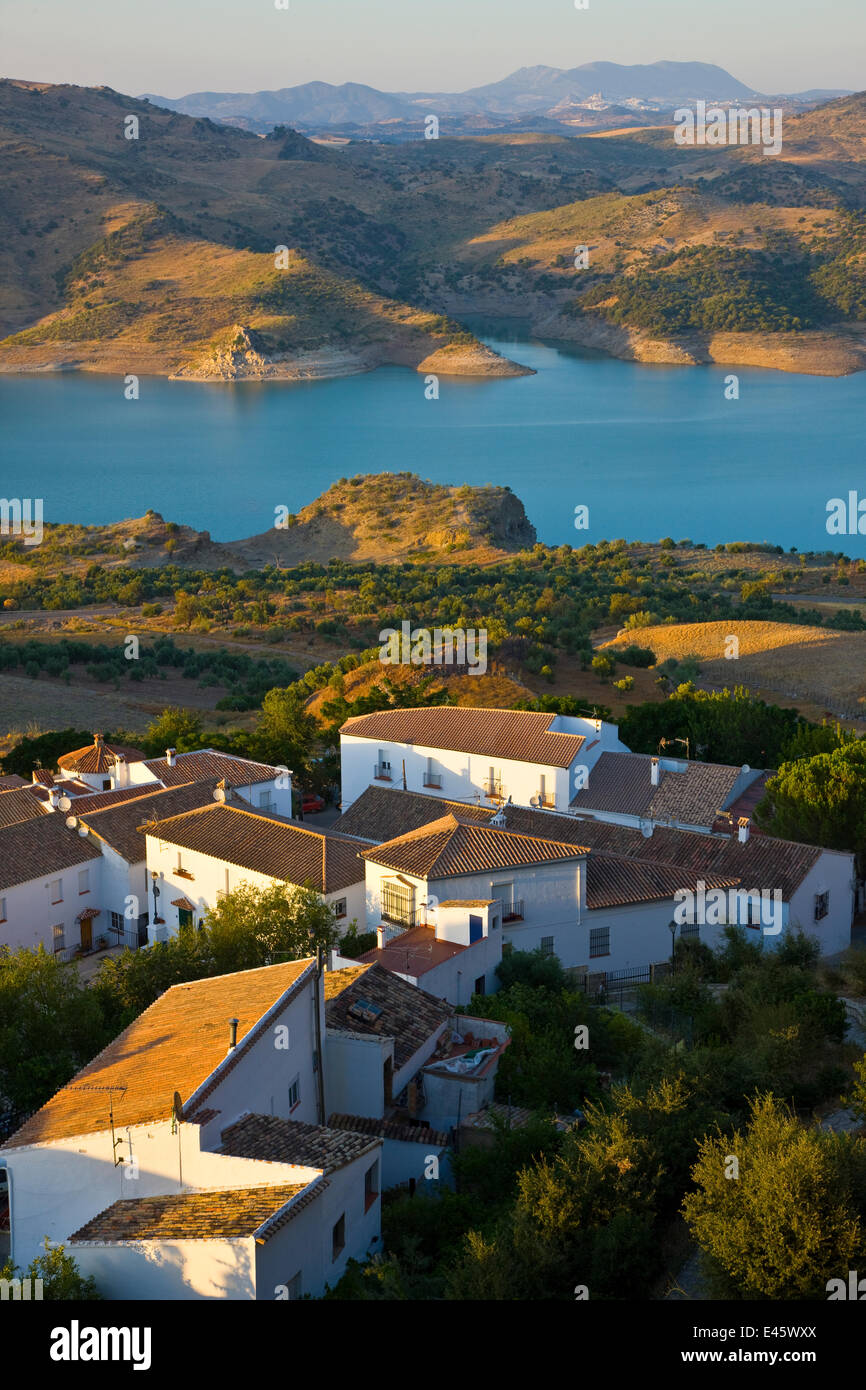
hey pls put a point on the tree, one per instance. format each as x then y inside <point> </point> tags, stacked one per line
<point>175,728</point>
<point>785,1220</point>
<point>43,750</point>
<point>50,1026</point>
<point>60,1275</point>
<point>286,733</point>
<point>252,926</point>
<point>820,800</point>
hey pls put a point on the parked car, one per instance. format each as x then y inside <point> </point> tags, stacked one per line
<point>311,803</point>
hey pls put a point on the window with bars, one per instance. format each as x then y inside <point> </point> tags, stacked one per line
<point>822,905</point>
<point>599,941</point>
<point>547,945</point>
<point>398,902</point>
<point>59,939</point>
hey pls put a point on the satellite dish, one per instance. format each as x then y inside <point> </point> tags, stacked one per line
<point>647,831</point>
<point>65,803</point>
<point>746,768</point>
<point>82,830</point>
<point>71,822</point>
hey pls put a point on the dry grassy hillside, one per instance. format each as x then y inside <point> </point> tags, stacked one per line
<point>822,670</point>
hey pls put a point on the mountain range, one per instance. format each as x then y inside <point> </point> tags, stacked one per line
<point>539,91</point>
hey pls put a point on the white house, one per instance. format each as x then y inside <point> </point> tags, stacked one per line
<point>605,905</point>
<point>400,1065</point>
<point>190,1159</point>
<point>126,894</point>
<point>486,756</point>
<point>195,858</point>
<point>50,885</point>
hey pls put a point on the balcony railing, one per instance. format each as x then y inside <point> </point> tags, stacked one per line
<point>433,779</point>
<point>382,772</point>
<point>403,917</point>
<point>545,799</point>
<point>513,911</point>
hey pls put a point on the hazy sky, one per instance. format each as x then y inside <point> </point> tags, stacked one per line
<point>176,46</point>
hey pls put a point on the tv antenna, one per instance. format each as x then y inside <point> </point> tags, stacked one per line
<point>110,1090</point>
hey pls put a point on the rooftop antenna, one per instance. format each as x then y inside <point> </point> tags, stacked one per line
<point>110,1090</point>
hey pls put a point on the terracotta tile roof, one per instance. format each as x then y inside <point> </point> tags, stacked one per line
<point>468,902</point>
<point>447,847</point>
<point>266,844</point>
<point>521,735</point>
<point>99,757</point>
<point>41,848</point>
<point>390,1129</point>
<point>514,1116</point>
<point>118,825</point>
<point>409,1015</point>
<point>89,800</point>
<point>762,862</point>
<point>175,1045</point>
<point>43,776</point>
<point>195,767</point>
<point>19,805</point>
<point>10,780</point>
<point>612,882</point>
<point>622,782</point>
<point>380,813</point>
<point>291,1141</point>
<point>414,952</point>
<point>221,1213</point>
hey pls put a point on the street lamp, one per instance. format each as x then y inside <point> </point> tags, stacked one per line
<point>672,928</point>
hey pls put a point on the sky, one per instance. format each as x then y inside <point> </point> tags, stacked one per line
<point>171,47</point>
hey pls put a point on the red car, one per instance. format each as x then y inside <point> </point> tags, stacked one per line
<point>311,803</point>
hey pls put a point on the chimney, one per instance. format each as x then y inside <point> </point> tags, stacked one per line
<point>744,827</point>
<point>54,798</point>
<point>170,756</point>
<point>380,937</point>
<point>233,1033</point>
<point>654,771</point>
<point>97,740</point>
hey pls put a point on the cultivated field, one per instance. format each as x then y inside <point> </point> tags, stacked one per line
<point>814,668</point>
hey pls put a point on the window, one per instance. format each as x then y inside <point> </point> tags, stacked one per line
<point>547,945</point>
<point>117,922</point>
<point>494,924</point>
<point>340,907</point>
<point>295,1094</point>
<point>398,902</point>
<point>371,1185</point>
<point>264,800</point>
<point>338,1239</point>
<point>822,905</point>
<point>690,931</point>
<point>480,985</point>
<point>184,917</point>
<point>106,784</point>
<point>56,890</point>
<point>599,941</point>
<point>57,933</point>
<point>2,909</point>
<point>84,880</point>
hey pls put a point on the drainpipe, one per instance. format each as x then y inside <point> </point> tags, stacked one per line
<point>320,1070</point>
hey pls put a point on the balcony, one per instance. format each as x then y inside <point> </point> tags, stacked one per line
<point>433,779</point>
<point>546,800</point>
<point>403,916</point>
<point>513,911</point>
<point>382,772</point>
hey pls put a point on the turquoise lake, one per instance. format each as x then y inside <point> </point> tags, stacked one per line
<point>652,451</point>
